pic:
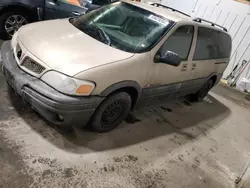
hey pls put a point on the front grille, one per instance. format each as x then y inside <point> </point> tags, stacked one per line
<point>32,66</point>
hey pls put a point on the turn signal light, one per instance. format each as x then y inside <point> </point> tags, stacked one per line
<point>84,89</point>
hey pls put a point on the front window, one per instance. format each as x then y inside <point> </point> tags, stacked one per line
<point>184,36</point>
<point>124,26</point>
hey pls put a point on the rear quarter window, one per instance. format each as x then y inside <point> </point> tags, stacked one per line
<point>212,44</point>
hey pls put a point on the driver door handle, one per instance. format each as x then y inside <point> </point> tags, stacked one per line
<point>184,67</point>
<point>193,66</point>
<point>76,13</point>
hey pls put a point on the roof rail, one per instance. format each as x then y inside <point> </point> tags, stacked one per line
<point>174,10</point>
<point>212,23</point>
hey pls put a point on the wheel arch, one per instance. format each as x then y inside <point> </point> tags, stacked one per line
<point>215,77</point>
<point>131,87</point>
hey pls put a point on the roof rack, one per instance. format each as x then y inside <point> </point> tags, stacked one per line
<point>174,10</point>
<point>212,23</point>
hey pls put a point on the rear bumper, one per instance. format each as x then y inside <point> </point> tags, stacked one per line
<point>54,106</point>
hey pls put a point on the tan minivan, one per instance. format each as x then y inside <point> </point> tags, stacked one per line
<point>96,68</point>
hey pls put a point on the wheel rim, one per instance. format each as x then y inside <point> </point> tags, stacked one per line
<point>112,113</point>
<point>13,23</point>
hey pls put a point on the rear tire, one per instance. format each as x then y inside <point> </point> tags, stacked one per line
<point>111,112</point>
<point>5,16</point>
<point>202,93</point>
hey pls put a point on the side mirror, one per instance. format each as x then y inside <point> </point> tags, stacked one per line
<point>169,57</point>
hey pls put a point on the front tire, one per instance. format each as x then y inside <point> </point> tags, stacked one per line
<point>10,22</point>
<point>111,112</point>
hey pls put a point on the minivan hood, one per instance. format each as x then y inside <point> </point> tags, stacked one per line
<point>64,48</point>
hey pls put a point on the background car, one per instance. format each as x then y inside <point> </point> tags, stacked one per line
<point>15,13</point>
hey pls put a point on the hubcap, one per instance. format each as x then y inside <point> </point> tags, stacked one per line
<point>112,113</point>
<point>13,23</point>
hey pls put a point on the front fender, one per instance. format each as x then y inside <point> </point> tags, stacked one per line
<point>121,85</point>
<point>125,85</point>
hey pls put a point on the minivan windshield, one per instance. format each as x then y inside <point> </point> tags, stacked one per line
<point>124,26</point>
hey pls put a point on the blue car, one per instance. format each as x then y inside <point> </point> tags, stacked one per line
<point>15,13</point>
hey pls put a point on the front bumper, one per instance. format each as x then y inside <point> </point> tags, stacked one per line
<point>54,106</point>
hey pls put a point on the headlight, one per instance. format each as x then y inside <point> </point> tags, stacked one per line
<point>68,85</point>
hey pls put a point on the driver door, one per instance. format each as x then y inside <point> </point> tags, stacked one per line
<point>168,81</point>
<point>62,9</point>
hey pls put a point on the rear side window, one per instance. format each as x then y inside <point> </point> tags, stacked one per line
<point>212,44</point>
<point>179,42</point>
